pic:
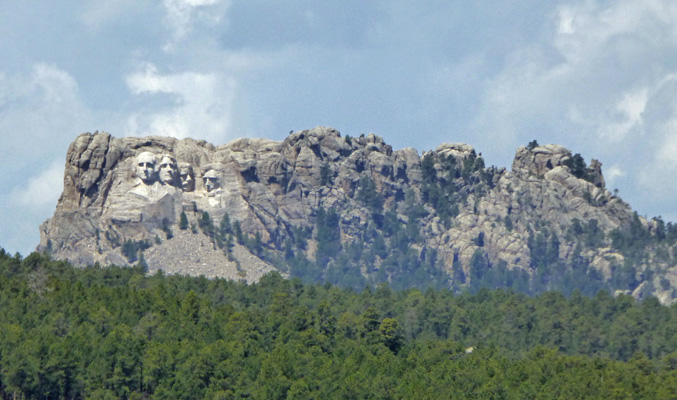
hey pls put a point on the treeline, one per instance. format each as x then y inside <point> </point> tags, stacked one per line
<point>111,333</point>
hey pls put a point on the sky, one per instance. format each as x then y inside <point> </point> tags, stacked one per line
<point>599,77</point>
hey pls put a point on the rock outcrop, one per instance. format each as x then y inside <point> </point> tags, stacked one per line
<point>135,190</point>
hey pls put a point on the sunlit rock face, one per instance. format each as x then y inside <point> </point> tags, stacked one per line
<point>132,189</point>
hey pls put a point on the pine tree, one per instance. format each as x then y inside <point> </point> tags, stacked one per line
<point>326,176</point>
<point>206,224</point>
<point>183,223</point>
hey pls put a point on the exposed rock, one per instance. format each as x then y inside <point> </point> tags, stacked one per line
<point>457,150</point>
<point>596,172</point>
<point>194,254</point>
<point>540,160</point>
<point>118,190</point>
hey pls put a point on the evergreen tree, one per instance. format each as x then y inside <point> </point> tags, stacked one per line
<point>206,224</point>
<point>328,235</point>
<point>225,227</point>
<point>116,332</point>
<point>238,232</point>
<point>326,176</point>
<point>428,171</point>
<point>369,196</point>
<point>167,229</point>
<point>577,166</point>
<point>183,224</point>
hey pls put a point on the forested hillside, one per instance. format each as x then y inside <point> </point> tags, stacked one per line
<point>70,333</point>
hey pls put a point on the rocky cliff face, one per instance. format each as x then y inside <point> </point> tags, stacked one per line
<point>120,192</point>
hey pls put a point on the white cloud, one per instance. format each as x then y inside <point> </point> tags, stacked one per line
<point>667,153</point>
<point>43,190</point>
<point>27,206</point>
<point>181,15</point>
<point>41,111</point>
<point>600,79</point>
<point>589,25</point>
<point>202,104</point>
<point>44,104</point>
<point>57,86</point>
<point>566,20</point>
<point>612,174</point>
<point>628,116</point>
<point>608,61</point>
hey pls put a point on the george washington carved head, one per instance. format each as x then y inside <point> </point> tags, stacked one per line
<point>145,168</point>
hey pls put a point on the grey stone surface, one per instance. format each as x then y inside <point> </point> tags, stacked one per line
<point>119,189</point>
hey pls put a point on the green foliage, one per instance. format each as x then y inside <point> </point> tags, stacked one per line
<point>328,235</point>
<point>300,237</point>
<point>113,238</point>
<point>238,232</point>
<point>221,237</point>
<point>428,171</point>
<point>579,168</point>
<point>377,256</point>
<point>392,336</point>
<point>117,333</point>
<point>532,145</point>
<point>444,191</point>
<point>225,227</point>
<point>257,244</point>
<point>131,249</point>
<point>379,247</point>
<point>206,225</point>
<point>166,228</point>
<point>508,223</point>
<point>479,267</point>
<point>326,175</point>
<point>594,236</point>
<point>183,222</point>
<point>468,166</point>
<point>369,196</point>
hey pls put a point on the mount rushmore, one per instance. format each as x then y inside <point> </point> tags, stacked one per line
<point>136,190</point>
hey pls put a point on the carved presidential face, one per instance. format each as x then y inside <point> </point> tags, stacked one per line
<point>169,172</point>
<point>146,167</point>
<point>187,177</point>
<point>211,180</point>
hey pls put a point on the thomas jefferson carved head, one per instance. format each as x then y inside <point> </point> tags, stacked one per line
<point>169,173</point>
<point>211,180</point>
<point>187,177</point>
<point>146,167</point>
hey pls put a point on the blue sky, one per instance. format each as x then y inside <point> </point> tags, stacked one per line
<point>599,77</point>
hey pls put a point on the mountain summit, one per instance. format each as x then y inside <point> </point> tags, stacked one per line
<point>353,211</point>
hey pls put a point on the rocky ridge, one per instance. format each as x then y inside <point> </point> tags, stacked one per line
<point>134,190</point>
